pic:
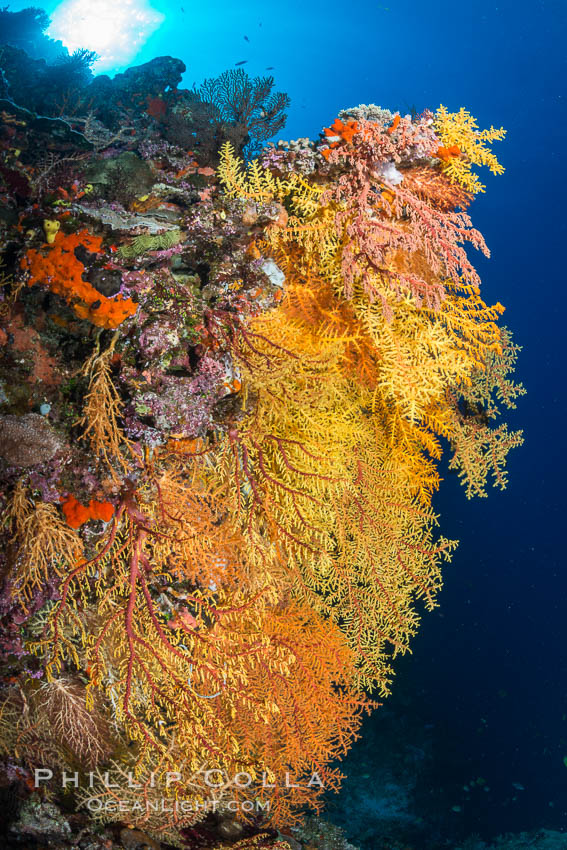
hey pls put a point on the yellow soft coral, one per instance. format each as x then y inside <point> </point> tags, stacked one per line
<point>255,183</point>
<point>459,130</point>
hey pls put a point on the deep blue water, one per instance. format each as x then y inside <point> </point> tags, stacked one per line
<point>488,673</point>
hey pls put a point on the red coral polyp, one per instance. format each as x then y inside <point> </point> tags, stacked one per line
<point>57,267</point>
<point>156,108</point>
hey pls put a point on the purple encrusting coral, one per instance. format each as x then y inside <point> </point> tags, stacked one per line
<point>172,404</point>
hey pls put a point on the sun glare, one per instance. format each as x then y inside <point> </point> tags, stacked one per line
<point>116,31</point>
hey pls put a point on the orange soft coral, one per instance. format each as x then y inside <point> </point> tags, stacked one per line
<point>77,514</point>
<point>57,267</point>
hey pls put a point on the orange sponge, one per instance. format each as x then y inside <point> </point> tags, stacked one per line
<point>58,268</point>
<point>77,514</point>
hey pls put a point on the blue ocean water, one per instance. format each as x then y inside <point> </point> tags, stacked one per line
<point>487,679</point>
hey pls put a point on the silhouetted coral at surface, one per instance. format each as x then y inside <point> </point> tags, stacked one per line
<point>26,30</point>
<point>231,107</point>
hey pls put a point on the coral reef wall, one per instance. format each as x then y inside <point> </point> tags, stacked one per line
<point>226,385</point>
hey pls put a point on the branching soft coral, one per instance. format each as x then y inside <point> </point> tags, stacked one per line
<point>185,650</point>
<point>403,268</point>
<point>478,449</point>
<point>43,545</point>
<point>269,540</point>
<point>49,723</point>
<point>252,182</point>
<point>376,215</point>
<point>380,329</point>
<point>357,224</point>
<point>310,467</point>
<point>463,145</point>
<point>102,409</point>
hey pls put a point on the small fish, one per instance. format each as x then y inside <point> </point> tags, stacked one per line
<point>246,38</point>
<point>183,10</point>
<point>270,67</point>
<point>244,61</point>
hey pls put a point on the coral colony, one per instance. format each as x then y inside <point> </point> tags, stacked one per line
<point>229,373</point>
